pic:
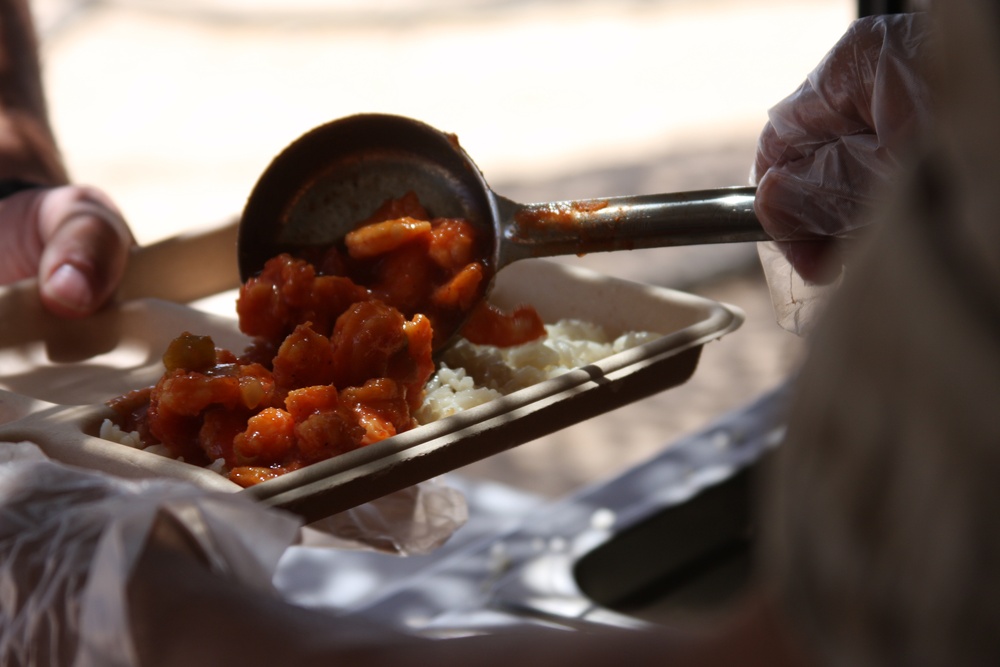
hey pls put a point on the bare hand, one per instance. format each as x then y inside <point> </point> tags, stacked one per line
<point>72,238</point>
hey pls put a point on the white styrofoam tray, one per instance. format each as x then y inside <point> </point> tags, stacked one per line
<point>55,376</point>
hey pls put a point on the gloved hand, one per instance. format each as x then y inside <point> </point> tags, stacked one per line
<point>72,238</point>
<point>830,148</point>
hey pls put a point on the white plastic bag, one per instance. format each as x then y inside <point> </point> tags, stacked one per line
<point>69,539</point>
<point>415,520</point>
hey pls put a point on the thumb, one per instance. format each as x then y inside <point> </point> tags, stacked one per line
<point>86,243</point>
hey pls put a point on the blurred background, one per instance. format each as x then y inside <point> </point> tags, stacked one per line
<point>175,107</point>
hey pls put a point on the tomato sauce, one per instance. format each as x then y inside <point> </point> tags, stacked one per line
<point>342,348</point>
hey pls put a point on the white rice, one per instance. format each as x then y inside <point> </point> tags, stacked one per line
<point>111,431</point>
<point>470,375</point>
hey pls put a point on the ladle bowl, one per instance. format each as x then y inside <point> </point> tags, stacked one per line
<point>318,189</point>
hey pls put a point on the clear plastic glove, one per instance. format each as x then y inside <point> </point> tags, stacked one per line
<point>72,238</point>
<point>69,539</point>
<point>831,148</point>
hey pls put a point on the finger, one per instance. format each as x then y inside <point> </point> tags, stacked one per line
<point>836,97</point>
<point>829,193</point>
<point>86,244</point>
<point>771,151</point>
<point>20,243</point>
<point>873,79</point>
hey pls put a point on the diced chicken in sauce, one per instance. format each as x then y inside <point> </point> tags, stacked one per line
<point>342,349</point>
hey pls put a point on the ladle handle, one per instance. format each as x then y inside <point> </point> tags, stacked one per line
<point>723,215</point>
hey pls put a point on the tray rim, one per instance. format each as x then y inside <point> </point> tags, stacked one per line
<point>724,319</point>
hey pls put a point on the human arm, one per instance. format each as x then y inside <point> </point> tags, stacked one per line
<point>73,238</point>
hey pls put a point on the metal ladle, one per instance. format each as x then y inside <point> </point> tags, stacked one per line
<point>332,177</point>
